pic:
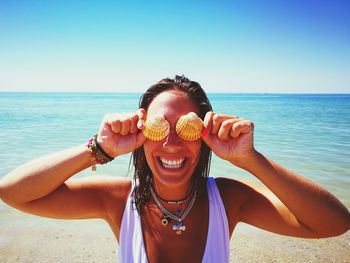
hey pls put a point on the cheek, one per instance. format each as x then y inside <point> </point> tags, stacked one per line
<point>148,148</point>
<point>192,147</point>
<point>195,148</point>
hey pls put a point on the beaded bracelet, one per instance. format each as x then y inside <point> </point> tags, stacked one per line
<point>98,155</point>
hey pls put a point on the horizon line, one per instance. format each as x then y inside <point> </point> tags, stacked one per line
<point>207,92</point>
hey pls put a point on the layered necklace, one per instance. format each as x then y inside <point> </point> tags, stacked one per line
<point>179,226</point>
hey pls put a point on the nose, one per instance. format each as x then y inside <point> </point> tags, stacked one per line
<point>172,142</point>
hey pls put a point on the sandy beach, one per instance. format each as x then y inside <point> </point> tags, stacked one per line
<point>26,238</point>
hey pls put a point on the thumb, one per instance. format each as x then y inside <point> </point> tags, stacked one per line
<point>140,139</point>
<point>206,132</point>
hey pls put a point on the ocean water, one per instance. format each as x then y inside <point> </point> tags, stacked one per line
<point>307,133</point>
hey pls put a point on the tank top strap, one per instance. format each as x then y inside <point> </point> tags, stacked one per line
<point>131,244</point>
<point>218,239</point>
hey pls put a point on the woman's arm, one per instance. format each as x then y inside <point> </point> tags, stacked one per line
<point>42,187</point>
<point>316,211</point>
<point>41,176</point>
<point>302,208</point>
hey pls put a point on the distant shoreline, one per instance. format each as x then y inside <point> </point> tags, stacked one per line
<point>140,93</point>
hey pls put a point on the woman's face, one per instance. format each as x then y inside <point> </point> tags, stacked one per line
<point>172,160</point>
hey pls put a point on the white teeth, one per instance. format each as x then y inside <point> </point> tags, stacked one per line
<point>172,163</point>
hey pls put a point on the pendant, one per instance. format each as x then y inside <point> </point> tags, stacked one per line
<point>179,227</point>
<point>178,211</point>
<point>165,220</point>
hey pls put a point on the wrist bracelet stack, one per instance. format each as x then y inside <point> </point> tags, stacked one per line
<point>98,155</point>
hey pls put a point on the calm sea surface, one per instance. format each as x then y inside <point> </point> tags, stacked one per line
<point>307,133</point>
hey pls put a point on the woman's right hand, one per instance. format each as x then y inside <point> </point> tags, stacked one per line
<point>121,133</point>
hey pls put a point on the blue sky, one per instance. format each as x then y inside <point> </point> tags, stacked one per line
<point>227,46</point>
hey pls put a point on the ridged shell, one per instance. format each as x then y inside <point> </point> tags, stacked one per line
<point>156,128</point>
<point>189,127</point>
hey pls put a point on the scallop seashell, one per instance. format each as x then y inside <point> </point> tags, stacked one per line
<point>156,128</point>
<point>189,127</point>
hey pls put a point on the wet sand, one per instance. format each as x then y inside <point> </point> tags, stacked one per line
<point>26,238</point>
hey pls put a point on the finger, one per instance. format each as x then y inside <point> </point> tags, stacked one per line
<point>125,123</point>
<point>112,122</point>
<point>243,126</point>
<point>217,120</point>
<point>104,125</point>
<point>226,128</point>
<point>133,123</point>
<point>208,120</point>
<point>141,113</point>
<point>115,123</point>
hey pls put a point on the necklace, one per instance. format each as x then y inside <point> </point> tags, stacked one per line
<point>179,226</point>
<point>176,202</point>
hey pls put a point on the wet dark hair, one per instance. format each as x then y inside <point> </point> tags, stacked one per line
<point>143,173</point>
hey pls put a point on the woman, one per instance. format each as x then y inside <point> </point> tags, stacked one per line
<point>172,211</point>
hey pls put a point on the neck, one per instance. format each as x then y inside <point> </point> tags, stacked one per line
<point>170,193</point>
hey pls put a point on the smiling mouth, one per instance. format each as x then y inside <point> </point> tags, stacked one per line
<point>172,163</point>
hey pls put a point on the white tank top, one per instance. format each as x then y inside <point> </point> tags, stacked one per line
<point>131,244</point>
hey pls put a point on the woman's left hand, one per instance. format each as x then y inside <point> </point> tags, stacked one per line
<point>229,137</point>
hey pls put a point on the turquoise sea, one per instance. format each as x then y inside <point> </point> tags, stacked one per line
<point>309,133</point>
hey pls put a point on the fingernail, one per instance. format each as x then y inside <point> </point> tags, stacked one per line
<point>140,124</point>
<point>204,132</point>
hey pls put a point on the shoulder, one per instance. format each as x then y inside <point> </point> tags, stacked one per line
<point>229,187</point>
<point>235,194</point>
<point>110,190</point>
<point>236,187</point>
<point>240,191</point>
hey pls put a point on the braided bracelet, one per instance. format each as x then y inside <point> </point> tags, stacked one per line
<point>98,155</point>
